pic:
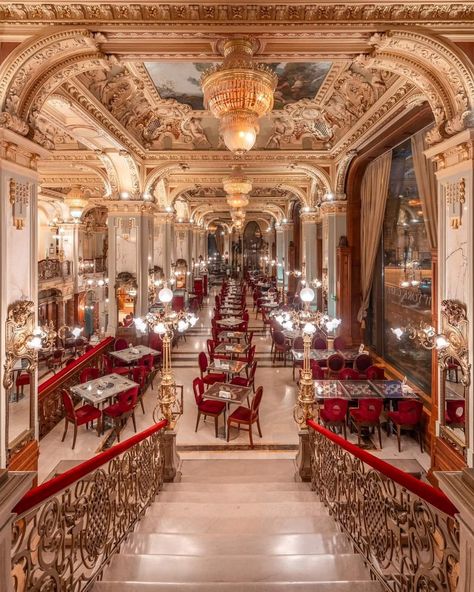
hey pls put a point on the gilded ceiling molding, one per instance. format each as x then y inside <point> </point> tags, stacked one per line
<point>37,67</point>
<point>162,171</point>
<point>112,176</point>
<point>313,172</point>
<point>183,13</point>
<point>341,173</point>
<point>437,67</point>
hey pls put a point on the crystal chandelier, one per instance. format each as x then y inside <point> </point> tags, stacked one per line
<point>237,186</point>
<point>238,93</point>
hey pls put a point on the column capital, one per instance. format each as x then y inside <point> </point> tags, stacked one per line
<point>164,217</point>
<point>333,207</point>
<point>310,217</point>
<point>19,150</point>
<point>455,152</point>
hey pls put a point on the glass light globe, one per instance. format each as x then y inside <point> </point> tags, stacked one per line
<point>76,213</point>
<point>35,343</point>
<point>165,295</point>
<point>239,135</point>
<point>160,328</point>
<point>441,342</point>
<point>76,331</point>
<point>279,318</point>
<point>309,329</point>
<point>307,295</point>
<point>182,326</point>
<point>288,325</point>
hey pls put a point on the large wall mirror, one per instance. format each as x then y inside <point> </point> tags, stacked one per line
<point>19,375</point>
<point>455,375</point>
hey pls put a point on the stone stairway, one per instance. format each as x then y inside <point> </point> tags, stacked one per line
<point>237,525</point>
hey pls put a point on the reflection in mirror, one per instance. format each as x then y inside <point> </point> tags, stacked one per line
<point>19,402</point>
<point>455,400</point>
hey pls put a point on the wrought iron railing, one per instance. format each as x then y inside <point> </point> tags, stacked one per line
<point>68,528</point>
<point>405,529</point>
<point>50,269</point>
<point>50,407</point>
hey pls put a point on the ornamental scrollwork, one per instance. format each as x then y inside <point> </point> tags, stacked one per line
<point>407,543</point>
<point>455,325</point>
<point>65,542</point>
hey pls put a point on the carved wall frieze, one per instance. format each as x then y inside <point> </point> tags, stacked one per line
<point>167,12</point>
<point>333,207</point>
<point>341,173</point>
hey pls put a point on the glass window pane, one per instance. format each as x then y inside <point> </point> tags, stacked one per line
<point>407,269</point>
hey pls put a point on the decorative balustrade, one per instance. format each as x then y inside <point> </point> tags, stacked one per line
<point>405,529</point>
<point>50,407</point>
<point>94,265</point>
<point>68,528</point>
<point>50,269</point>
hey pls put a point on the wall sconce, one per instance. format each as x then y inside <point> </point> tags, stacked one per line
<point>424,335</point>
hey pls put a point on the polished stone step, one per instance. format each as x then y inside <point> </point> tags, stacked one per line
<point>237,471</point>
<point>244,544</point>
<point>234,495</point>
<point>230,568</point>
<point>288,487</point>
<point>248,525</point>
<point>244,586</point>
<point>217,505</point>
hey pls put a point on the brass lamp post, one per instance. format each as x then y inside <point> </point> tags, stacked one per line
<point>304,407</point>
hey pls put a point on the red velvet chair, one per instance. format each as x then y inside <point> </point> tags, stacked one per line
<point>210,377</point>
<point>298,345</point>
<point>109,367</point>
<point>120,343</point>
<point>362,363</point>
<point>333,414</point>
<point>316,370</point>
<point>367,415</point>
<point>348,374</point>
<point>249,381</point>
<point>319,343</point>
<point>177,303</point>
<point>455,415</point>
<point>119,412</point>
<point>280,346</point>
<point>247,416</point>
<point>55,361</point>
<point>139,375</point>
<point>89,374</point>
<point>339,343</point>
<point>148,362</point>
<point>80,416</point>
<point>335,364</point>
<point>22,380</point>
<point>206,408</point>
<point>375,372</point>
<point>407,417</point>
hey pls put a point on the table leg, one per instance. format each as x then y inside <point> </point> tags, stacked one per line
<point>226,408</point>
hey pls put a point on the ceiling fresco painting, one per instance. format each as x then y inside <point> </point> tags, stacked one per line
<point>179,81</point>
<point>297,80</point>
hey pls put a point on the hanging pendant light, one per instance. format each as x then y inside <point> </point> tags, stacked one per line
<point>238,93</point>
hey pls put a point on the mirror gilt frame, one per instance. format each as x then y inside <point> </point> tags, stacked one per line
<point>454,327</point>
<point>19,327</point>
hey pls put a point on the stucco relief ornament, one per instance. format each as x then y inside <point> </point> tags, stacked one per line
<point>13,123</point>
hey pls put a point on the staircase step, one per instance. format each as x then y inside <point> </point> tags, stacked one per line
<point>237,471</point>
<point>244,544</point>
<point>249,495</point>
<point>323,524</point>
<point>219,506</point>
<point>230,568</point>
<point>340,586</point>
<point>279,486</point>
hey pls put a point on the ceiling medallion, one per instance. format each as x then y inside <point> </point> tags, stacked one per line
<point>239,92</point>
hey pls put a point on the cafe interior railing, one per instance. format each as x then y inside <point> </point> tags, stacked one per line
<point>67,528</point>
<point>405,529</point>
<point>50,407</point>
<point>50,269</point>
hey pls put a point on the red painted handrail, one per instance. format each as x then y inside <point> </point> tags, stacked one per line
<point>57,378</point>
<point>39,494</point>
<point>430,494</point>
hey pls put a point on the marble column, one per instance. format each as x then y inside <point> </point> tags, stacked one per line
<point>333,215</point>
<point>131,249</point>
<point>163,252</point>
<point>280,253</point>
<point>183,245</point>
<point>18,250</point>
<point>310,255</point>
<point>454,159</point>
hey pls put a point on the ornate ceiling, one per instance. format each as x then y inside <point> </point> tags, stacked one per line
<point>132,121</point>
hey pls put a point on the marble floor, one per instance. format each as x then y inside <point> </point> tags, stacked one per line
<point>280,437</point>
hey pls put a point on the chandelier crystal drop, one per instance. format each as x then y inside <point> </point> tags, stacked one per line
<point>238,93</point>
<point>237,186</point>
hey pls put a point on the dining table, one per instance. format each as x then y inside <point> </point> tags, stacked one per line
<point>230,394</point>
<point>231,321</point>
<point>100,390</point>
<point>227,367</point>
<point>322,355</point>
<point>133,354</point>
<point>231,349</point>
<point>232,335</point>
<point>390,390</point>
